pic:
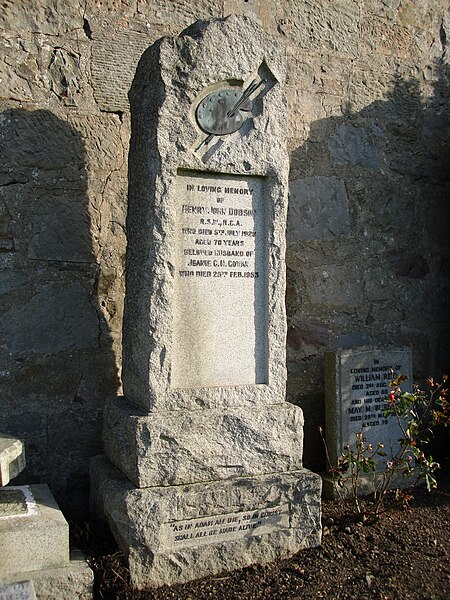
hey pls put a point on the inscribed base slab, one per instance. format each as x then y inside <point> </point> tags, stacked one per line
<point>178,533</point>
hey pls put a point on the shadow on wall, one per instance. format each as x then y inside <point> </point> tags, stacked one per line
<point>368,242</point>
<point>57,362</point>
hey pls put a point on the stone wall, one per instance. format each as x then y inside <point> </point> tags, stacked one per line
<point>368,223</point>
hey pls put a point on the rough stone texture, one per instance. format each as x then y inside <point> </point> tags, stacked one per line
<point>13,502</point>
<point>222,435</point>
<point>37,539</point>
<point>76,580</point>
<point>12,458</point>
<point>180,447</point>
<point>137,516</point>
<point>21,590</point>
<point>380,68</point>
<point>318,209</point>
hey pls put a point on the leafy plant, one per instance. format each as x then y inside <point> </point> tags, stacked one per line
<point>417,414</point>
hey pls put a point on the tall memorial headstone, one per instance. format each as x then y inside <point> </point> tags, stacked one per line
<point>203,468</point>
<point>356,390</point>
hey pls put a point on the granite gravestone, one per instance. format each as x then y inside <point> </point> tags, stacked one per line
<point>34,538</point>
<point>203,468</point>
<point>356,390</point>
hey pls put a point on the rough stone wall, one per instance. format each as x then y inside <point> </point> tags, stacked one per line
<point>368,225</point>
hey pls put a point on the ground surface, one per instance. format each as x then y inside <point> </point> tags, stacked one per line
<point>404,556</point>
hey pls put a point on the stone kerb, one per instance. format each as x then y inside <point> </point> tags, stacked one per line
<point>35,559</point>
<point>171,78</point>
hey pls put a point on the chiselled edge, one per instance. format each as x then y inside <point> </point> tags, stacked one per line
<point>184,447</point>
<point>137,516</point>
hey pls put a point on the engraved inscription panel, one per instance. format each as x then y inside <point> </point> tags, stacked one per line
<point>220,279</point>
<point>223,528</point>
<point>365,386</point>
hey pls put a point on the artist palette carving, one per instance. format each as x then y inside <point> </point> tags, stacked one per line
<point>224,110</point>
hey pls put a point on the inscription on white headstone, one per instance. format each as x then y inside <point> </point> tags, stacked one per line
<point>223,528</point>
<point>220,308</point>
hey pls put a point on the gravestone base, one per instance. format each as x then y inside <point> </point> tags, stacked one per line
<point>17,590</point>
<point>185,446</point>
<point>174,534</point>
<point>33,531</point>
<point>367,485</point>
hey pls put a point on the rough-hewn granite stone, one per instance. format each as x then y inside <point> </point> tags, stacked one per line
<point>12,458</point>
<point>145,522</point>
<point>163,140</point>
<point>214,449</point>
<point>179,447</point>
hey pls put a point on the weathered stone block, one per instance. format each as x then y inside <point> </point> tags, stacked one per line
<point>12,458</point>
<point>321,24</point>
<point>318,209</point>
<point>179,533</point>
<point>116,55</point>
<point>335,285</point>
<point>352,145</point>
<point>180,447</point>
<point>34,534</point>
<point>58,317</point>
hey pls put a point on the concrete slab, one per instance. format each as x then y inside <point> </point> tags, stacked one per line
<point>76,580</point>
<point>34,534</point>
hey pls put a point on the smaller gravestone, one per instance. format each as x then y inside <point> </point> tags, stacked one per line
<point>33,532</point>
<point>34,538</point>
<point>356,390</point>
